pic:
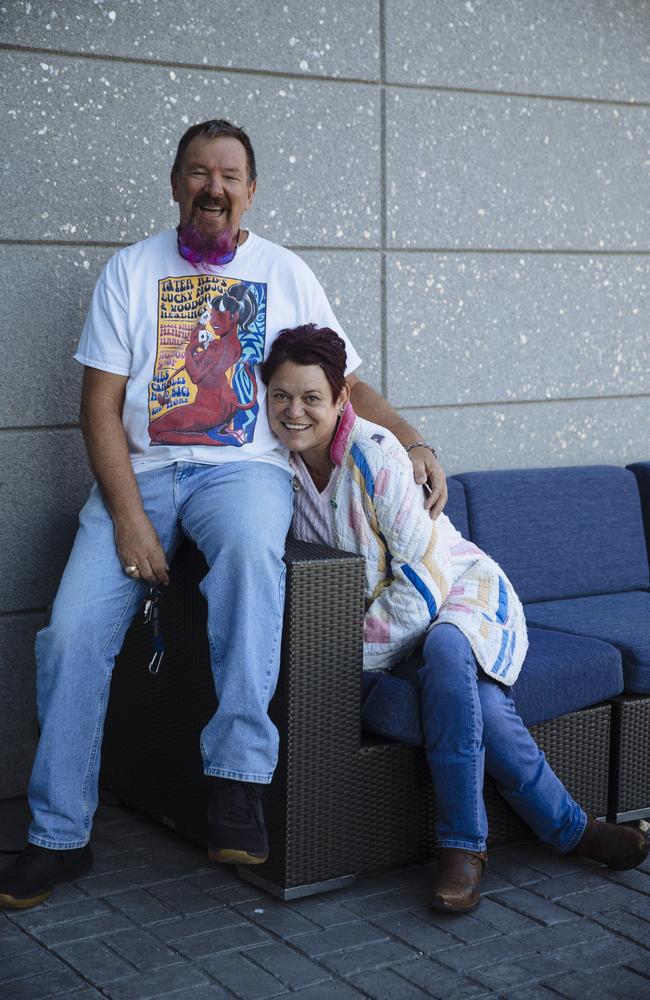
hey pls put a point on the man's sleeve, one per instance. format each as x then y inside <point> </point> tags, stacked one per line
<point>323,315</point>
<point>104,341</point>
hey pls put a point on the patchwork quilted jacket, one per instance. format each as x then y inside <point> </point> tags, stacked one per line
<point>419,572</point>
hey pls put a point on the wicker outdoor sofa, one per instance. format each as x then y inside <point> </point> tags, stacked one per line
<point>347,800</point>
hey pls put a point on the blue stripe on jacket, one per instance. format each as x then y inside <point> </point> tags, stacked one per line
<point>511,648</point>
<point>502,610</point>
<point>421,588</point>
<point>364,469</point>
<point>505,638</point>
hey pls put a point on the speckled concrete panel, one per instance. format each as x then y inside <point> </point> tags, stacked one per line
<point>296,36</point>
<point>474,328</point>
<point>45,292</point>
<point>586,49</point>
<point>45,482</point>
<point>99,139</point>
<point>468,170</point>
<point>528,435</point>
<point>49,321</point>
<point>352,283</point>
<point>18,732</point>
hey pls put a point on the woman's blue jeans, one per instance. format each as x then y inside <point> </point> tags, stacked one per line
<point>471,726</point>
<point>238,515</point>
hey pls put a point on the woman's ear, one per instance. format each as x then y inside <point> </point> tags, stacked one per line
<point>344,397</point>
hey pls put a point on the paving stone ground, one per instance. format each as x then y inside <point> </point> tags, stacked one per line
<point>156,919</point>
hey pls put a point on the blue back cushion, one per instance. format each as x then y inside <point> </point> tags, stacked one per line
<point>456,507</point>
<point>563,532</point>
<point>642,472</point>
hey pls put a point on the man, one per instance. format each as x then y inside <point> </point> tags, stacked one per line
<point>178,319</point>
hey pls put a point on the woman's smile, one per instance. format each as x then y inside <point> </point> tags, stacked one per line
<point>302,412</point>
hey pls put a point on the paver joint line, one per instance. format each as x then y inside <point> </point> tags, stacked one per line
<point>544,929</point>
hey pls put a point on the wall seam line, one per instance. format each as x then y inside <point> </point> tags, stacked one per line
<point>452,404</point>
<point>330,248</point>
<point>383,202</point>
<point>319,77</point>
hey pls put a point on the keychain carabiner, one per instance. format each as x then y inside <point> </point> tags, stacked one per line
<point>152,614</point>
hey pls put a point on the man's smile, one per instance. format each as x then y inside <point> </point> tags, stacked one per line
<point>215,210</point>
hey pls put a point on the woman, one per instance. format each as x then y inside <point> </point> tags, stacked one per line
<point>355,491</point>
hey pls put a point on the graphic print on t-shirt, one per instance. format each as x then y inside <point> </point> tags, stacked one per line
<point>211,334</point>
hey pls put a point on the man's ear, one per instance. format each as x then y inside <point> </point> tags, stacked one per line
<point>252,188</point>
<point>174,183</point>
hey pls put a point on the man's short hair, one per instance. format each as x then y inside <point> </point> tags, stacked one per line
<point>212,129</point>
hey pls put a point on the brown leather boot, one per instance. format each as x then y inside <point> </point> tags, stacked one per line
<point>618,847</point>
<point>456,888</point>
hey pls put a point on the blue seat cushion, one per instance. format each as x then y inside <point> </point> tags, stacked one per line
<point>390,706</point>
<point>620,619</point>
<point>562,673</point>
<point>558,533</point>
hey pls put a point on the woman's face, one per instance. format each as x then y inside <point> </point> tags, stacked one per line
<point>301,410</point>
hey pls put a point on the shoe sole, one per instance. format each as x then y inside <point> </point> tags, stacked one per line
<point>442,907</point>
<point>15,903</point>
<point>24,902</point>
<point>628,868</point>
<point>230,857</point>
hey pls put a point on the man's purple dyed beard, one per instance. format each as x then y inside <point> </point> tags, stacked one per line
<point>198,248</point>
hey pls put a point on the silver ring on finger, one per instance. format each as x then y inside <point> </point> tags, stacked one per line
<point>130,570</point>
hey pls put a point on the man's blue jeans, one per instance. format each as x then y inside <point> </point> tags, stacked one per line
<point>471,726</point>
<point>238,514</point>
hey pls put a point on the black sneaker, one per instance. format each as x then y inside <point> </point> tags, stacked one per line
<point>237,829</point>
<point>31,877</point>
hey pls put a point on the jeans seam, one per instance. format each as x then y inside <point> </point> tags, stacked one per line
<point>580,829</point>
<point>474,699</point>
<point>213,641</point>
<point>472,743</point>
<point>278,627</point>
<point>461,844</point>
<point>218,655</point>
<point>119,622</point>
<point>57,845</point>
<point>227,772</point>
<point>92,757</point>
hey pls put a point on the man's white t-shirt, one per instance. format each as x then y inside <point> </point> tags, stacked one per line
<point>194,392</point>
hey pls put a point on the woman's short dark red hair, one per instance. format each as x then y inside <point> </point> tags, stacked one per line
<point>309,345</point>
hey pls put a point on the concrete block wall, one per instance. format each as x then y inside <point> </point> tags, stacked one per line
<point>469,180</point>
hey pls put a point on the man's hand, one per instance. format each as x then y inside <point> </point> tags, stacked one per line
<point>136,540</point>
<point>138,545</point>
<point>428,472</point>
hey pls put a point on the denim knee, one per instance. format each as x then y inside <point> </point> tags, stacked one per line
<point>447,657</point>
<point>451,714</point>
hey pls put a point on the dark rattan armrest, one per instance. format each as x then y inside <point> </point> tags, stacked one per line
<point>316,709</point>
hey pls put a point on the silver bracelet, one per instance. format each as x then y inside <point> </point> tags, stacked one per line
<point>422,444</point>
